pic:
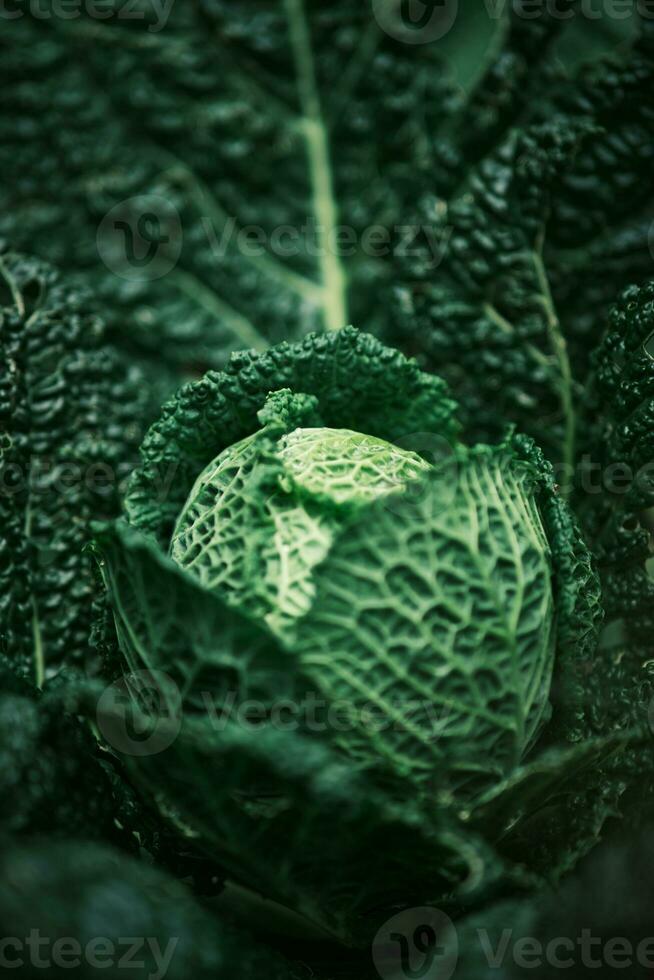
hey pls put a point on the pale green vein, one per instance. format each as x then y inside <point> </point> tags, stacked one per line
<point>216,221</point>
<point>39,655</point>
<point>39,658</point>
<point>508,328</point>
<point>13,288</point>
<point>324,203</point>
<point>211,209</point>
<point>238,325</point>
<point>560,351</point>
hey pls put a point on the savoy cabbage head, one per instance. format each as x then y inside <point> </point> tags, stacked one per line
<point>432,604</point>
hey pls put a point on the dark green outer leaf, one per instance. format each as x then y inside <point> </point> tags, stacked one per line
<point>617,494</point>
<point>475,303</point>
<point>603,211</point>
<point>505,300</point>
<point>51,776</point>
<point>607,902</point>
<point>505,91</point>
<point>549,813</point>
<point>69,427</point>
<point>82,891</point>
<point>255,796</point>
<point>613,500</point>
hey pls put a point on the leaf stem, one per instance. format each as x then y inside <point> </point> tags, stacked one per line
<point>324,203</point>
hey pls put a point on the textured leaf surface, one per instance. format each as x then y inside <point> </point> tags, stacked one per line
<point>603,210</point>
<point>550,812</point>
<point>359,384</point>
<point>288,116</point>
<point>238,124</point>
<point>615,498</point>
<point>442,599</point>
<point>481,312</point>
<point>237,785</point>
<point>504,299</point>
<point>436,614</point>
<point>258,796</point>
<point>621,416</point>
<point>264,513</point>
<point>69,428</point>
<point>153,599</point>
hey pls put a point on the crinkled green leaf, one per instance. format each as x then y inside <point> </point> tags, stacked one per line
<point>552,811</point>
<point>435,614</point>
<point>359,384</point>
<point>504,298</point>
<point>238,124</point>
<point>70,421</point>
<point>614,499</point>
<point>260,799</point>
<point>263,514</point>
<point>480,310</point>
<point>577,597</point>
<point>505,89</point>
<point>256,795</point>
<point>602,213</point>
<point>454,597</point>
<point>153,601</point>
